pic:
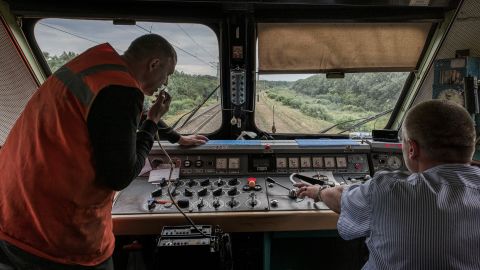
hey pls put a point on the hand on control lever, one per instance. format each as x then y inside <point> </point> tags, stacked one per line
<point>307,190</point>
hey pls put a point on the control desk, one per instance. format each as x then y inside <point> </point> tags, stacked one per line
<point>248,185</point>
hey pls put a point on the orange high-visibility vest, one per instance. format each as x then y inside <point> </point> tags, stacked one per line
<point>50,202</point>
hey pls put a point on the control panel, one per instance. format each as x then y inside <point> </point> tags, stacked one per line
<point>236,164</point>
<point>226,176</point>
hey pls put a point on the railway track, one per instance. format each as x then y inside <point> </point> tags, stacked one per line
<point>199,122</point>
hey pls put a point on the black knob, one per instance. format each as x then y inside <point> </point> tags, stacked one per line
<point>151,204</point>
<point>274,203</point>
<point>232,203</point>
<point>205,182</point>
<point>216,203</point>
<point>217,192</point>
<point>157,192</point>
<point>163,182</point>
<point>200,204</point>
<point>220,182</point>
<point>183,203</point>
<point>202,192</point>
<point>232,191</point>
<point>188,192</point>
<point>233,182</point>
<point>191,183</point>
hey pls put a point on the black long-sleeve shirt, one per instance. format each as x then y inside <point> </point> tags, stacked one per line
<point>119,151</point>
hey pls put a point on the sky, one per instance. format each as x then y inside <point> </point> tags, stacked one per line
<point>196,44</point>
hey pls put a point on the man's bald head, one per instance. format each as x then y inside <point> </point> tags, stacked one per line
<point>443,130</point>
<point>151,45</point>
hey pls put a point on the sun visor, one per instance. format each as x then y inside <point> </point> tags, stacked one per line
<point>346,47</point>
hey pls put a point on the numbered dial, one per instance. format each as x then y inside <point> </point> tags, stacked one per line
<point>394,162</point>
<point>452,95</point>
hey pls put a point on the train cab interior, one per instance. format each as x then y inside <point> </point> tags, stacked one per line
<point>284,90</point>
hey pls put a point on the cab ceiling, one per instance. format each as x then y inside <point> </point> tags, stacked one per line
<point>267,10</point>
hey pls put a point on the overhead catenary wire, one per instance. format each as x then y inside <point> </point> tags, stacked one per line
<point>183,50</point>
<point>73,34</point>
<point>193,40</point>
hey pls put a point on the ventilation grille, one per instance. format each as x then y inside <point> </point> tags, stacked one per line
<point>16,83</point>
<point>464,34</point>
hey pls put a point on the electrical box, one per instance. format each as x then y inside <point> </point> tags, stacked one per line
<point>449,74</point>
<point>449,83</point>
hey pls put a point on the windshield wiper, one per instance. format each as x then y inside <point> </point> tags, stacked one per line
<point>194,110</point>
<point>365,120</point>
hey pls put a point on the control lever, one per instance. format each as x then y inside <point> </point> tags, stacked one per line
<point>311,180</point>
<point>292,192</point>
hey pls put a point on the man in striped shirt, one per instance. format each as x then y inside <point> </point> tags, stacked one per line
<point>428,220</point>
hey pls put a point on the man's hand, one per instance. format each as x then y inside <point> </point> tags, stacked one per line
<point>307,190</point>
<point>160,107</point>
<point>193,139</point>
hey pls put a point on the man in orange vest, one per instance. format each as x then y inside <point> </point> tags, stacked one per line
<point>75,143</point>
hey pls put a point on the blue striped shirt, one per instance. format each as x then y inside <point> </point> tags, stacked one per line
<point>428,220</point>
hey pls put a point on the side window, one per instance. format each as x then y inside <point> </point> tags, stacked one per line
<point>194,86</point>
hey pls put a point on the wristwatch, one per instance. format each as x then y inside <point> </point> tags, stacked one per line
<point>319,198</point>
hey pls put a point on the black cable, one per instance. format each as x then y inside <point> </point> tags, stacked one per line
<point>194,110</point>
<point>366,120</point>
<point>357,119</point>
<point>172,166</point>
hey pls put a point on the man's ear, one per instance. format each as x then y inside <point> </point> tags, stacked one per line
<point>413,149</point>
<point>153,64</point>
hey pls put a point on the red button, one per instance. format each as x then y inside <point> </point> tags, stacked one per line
<point>251,181</point>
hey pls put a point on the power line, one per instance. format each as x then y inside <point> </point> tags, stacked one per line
<point>192,55</point>
<point>72,34</point>
<point>201,47</point>
<point>64,31</point>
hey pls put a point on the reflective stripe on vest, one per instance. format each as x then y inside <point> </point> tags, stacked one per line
<point>75,84</point>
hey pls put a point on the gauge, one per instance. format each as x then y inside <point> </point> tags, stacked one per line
<point>293,163</point>
<point>341,162</point>
<point>394,162</point>
<point>329,162</point>
<point>452,95</point>
<point>281,162</point>
<point>305,162</point>
<point>317,162</point>
<point>234,163</point>
<point>221,163</point>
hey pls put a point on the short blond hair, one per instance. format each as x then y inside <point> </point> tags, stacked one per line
<point>443,129</point>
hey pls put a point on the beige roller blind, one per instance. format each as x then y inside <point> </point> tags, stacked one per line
<point>312,48</point>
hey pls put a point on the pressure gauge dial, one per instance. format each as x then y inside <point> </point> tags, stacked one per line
<point>452,95</point>
<point>394,162</point>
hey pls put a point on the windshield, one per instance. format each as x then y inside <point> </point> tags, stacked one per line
<point>306,103</point>
<point>195,79</point>
<point>333,78</point>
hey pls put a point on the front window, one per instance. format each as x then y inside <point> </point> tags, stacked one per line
<point>194,86</point>
<point>333,78</point>
<point>306,103</point>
